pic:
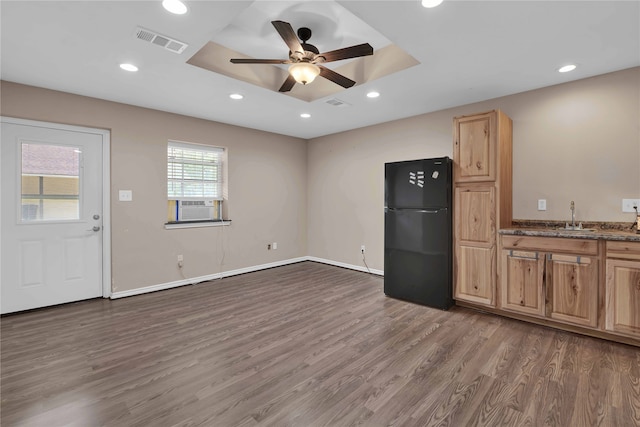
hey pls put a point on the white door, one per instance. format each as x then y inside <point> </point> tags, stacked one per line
<point>51,214</point>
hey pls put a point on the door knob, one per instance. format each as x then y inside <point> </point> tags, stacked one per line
<point>95,228</point>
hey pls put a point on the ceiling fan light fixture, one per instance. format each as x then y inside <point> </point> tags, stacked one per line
<point>304,72</point>
<point>431,3</point>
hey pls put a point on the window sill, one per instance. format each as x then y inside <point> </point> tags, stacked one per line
<point>196,224</point>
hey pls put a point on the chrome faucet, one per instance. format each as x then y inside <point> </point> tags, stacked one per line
<point>573,214</point>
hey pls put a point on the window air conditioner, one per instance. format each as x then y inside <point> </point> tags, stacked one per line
<point>195,210</point>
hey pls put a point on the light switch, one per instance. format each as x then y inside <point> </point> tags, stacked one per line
<point>125,195</point>
<point>542,204</point>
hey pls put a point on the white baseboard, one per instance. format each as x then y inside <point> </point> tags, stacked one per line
<point>195,280</point>
<point>344,265</point>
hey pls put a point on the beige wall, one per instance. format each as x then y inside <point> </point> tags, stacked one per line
<point>324,198</point>
<point>576,141</point>
<point>266,188</point>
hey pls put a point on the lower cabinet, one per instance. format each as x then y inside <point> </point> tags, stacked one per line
<point>475,244</point>
<point>475,275</point>
<point>522,282</point>
<point>561,282</point>
<point>572,289</point>
<point>623,288</point>
<point>551,278</point>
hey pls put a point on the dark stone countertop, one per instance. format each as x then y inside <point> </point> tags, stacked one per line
<point>597,230</point>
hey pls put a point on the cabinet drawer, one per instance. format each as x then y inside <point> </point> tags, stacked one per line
<point>623,250</point>
<point>551,244</point>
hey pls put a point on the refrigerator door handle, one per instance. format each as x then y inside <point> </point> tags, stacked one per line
<point>429,211</point>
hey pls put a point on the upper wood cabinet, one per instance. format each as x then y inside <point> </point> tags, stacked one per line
<point>482,202</point>
<point>623,288</point>
<point>474,148</point>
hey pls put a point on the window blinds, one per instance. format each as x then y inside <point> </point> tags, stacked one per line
<point>194,171</point>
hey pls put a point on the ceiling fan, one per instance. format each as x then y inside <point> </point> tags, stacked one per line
<point>306,60</point>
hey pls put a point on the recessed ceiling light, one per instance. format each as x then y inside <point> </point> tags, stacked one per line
<point>236,96</point>
<point>305,115</point>
<point>373,94</point>
<point>567,68</point>
<point>175,6</point>
<point>431,3</point>
<point>129,67</point>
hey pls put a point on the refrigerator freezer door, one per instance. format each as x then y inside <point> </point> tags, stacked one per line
<point>418,183</point>
<point>417,262</point>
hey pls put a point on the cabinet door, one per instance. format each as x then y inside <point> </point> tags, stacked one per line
<point>522,282</point>
<point>572,289</point>
<point>475,274</point>
<point>623,297</point>
<point>475,219</point>
<point>475,148</point>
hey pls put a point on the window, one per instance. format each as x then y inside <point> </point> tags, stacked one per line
<point>194,182</point>
<point>50,182</point>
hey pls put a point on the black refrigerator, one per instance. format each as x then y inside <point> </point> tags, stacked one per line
<point>417,232</point>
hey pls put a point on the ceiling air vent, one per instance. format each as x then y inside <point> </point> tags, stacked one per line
<point>337,102</point>
<point>158,39</point>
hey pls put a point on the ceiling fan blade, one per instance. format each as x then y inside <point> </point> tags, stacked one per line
<point>259,61</point>
<point>287,85</point>
<point>337,78</point>
<point>288,35</point>
<point>364,49</point>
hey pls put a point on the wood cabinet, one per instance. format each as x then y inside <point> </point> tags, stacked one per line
<point>622,290</point>
<point>572,289</point>
<point>482,202</point>
<point>475,149</point>
<point>476,274</point>
<point>476,240</point>
<point>553,278</point>
<point>522,284</point>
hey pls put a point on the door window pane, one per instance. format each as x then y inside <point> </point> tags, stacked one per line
<point>50,182</point>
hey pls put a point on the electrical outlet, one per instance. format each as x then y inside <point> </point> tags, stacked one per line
<point>125,195</point>
<point>628,204</point>
<point>362,248</point>
<point>180,258</point>
<point>274,245</point>
<point>542,204</point>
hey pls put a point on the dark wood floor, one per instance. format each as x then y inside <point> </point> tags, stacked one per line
<point>303,345</point>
